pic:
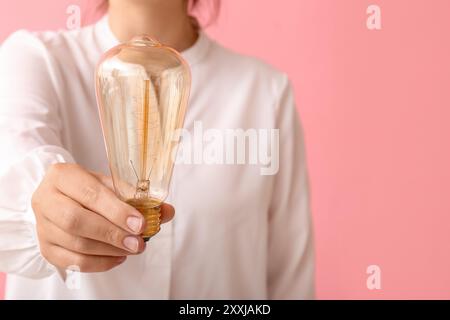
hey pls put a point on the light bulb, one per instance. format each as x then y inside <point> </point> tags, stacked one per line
<point>142,92</point>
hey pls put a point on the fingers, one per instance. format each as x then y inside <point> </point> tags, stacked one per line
<point>107,181</point>
<point>79,244</point>
<point>72,218</point>
<point>167,212</point>
<point>87,190</point>
<point>64,258</point>
<point>81,222</point>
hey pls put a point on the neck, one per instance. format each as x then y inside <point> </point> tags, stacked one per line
<point>166,21</point>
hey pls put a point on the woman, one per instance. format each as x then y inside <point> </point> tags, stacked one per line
<point>237,234</point>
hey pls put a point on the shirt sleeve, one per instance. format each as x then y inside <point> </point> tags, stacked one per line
<point>291,250</point>
<point>30,142</point>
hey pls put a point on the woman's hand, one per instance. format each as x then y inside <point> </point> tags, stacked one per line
<point>81,222</point>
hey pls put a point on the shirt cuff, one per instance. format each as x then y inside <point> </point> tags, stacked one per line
<point>19,246</point>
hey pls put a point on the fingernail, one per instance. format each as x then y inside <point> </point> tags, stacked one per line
<point>131,243</point>
<point>135,224</point>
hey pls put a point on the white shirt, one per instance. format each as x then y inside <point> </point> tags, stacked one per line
<point>236,234</point>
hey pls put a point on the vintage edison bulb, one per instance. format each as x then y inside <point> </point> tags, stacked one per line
<point>142,91</point>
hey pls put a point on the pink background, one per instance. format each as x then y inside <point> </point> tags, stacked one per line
<point>375,106</point>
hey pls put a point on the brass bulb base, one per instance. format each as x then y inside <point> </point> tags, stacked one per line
<point>151,210</point>
<point>152,222</point>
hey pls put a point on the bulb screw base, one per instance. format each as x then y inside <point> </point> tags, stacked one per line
<point>151,210</point>
<point>152,218</point>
